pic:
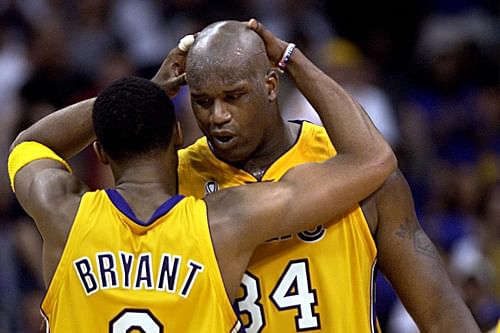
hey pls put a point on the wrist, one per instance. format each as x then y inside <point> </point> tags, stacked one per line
<point>287,55</point>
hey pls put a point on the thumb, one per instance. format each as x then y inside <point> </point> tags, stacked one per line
<point>177,80</point>
<point>173,85</point>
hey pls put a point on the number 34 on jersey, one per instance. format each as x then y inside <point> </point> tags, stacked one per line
<point>292,292</point>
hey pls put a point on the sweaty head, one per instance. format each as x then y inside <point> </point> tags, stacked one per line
<point>133,116</point>
<point>227,48</point>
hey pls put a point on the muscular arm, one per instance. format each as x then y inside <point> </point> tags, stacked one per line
<point>314,193</point>
<point>67,132</point>
<point>45,189</point>
<point>412,264</point>
<point>311,194</point>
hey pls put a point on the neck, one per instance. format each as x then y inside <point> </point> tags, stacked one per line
<point>146,183</point>
<point>275,144</point>
<point>149,180</point>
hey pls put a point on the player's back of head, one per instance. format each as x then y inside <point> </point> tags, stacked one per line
<point>133,116</point>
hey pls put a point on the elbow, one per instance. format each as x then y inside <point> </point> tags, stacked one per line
<point>386,162</point>
<point>392,161</point>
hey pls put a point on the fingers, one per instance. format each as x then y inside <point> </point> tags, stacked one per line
<point>257,27</point>
<point>172,85</point>
<point>253,24</point>
<point>178,81</point>
<point>274,46</point>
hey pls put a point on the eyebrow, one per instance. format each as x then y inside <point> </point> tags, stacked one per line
<point>196,95</point>
<point>240,86</point>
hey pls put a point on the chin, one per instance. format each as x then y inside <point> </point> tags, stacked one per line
<point>233,156</point>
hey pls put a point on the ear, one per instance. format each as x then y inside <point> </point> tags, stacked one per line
<point>272,84</point>
<point>178,135</point>
<point>101,154</point>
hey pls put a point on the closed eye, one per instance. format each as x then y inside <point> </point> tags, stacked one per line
<point>203,101</point>
<point>234,96</point>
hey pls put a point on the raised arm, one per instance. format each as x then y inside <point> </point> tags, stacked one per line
<point>69,130</point>
<point>364,158</point>
<point>44,187</point>
<point>314,193</point>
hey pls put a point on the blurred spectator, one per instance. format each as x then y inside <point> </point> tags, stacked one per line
<point>301,21</point>
<point>139,24</point>
<point>90,36</point>
<point>474,276</point>
<point>14,68</point>
<point>10,316</point>
<point>443,116</point>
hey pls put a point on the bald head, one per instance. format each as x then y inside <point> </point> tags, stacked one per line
<point>227,47</point>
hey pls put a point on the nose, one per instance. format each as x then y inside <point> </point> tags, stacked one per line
<point>220,114</point>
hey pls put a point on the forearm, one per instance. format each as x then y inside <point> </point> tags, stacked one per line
<point>66,131</point>
<point>410,261</point>
<point>454,319</point>
<point>444,311</point>
<point>347,124</point>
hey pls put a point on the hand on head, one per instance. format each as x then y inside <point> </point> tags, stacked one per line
<point>171,75</point>
<point>275,47</point>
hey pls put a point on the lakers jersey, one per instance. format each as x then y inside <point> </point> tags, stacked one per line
<point>316,280</point>
<point>119,274</point>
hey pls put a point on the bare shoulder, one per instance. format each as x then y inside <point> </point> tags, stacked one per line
<point>50,195</point>
<point>55,187</point>
<point>398,226</point>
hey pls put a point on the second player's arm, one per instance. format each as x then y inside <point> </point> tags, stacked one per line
<point>410,261</point>
<point>318,192</point>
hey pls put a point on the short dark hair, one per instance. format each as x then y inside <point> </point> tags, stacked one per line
<point>133,116</point>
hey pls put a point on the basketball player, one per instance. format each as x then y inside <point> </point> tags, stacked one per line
<point>140,257</point>
<point>319,279</point>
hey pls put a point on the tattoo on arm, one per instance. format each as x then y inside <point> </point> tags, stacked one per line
<point>421,243</point>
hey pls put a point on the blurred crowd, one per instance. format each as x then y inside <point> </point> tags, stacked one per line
<point>427,73</point>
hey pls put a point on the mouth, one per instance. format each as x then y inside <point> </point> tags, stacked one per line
<point>223,141</point>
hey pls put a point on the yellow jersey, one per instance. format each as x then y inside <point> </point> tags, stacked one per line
<point>316,280</point>
<point>120,274</point>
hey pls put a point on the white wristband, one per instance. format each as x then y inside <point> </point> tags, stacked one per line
<point>286,56</point>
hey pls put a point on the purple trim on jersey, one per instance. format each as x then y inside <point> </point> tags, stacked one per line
<point>122,205</point>
<point>373,297</point>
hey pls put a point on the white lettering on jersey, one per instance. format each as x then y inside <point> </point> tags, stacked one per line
<point>104,272</point>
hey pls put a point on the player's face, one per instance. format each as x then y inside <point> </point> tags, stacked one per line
<point>233,112</point>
